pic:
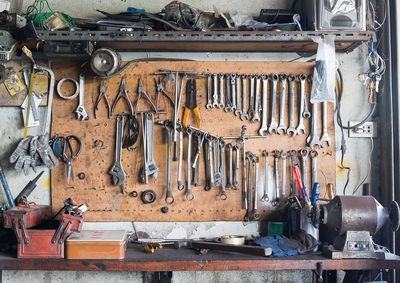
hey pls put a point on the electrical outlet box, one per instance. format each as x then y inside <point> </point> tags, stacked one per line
<point>366,130</point>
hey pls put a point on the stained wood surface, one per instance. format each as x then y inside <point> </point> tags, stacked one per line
<point>105,200</point>
<point>168,259</point>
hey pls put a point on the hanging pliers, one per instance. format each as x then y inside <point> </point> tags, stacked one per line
<point>103,89</point>
<point>191,103</point>
<point>161,90</point>
<point>122,89</point>
<point>142,91</point>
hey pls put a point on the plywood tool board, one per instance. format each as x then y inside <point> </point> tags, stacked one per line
<point>105,200</point>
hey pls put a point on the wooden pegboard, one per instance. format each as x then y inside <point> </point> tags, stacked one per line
<point>107,203</point>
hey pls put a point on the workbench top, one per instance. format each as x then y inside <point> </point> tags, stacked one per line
<point>170,259</point>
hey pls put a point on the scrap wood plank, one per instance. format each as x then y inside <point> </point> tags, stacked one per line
<point>105,200</point>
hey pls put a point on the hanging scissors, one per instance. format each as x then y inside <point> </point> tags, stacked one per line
<point>62,148</point>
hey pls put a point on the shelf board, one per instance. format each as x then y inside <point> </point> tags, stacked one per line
<point>212,41</point>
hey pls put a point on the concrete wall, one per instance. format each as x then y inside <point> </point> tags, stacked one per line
<point>354,106</point>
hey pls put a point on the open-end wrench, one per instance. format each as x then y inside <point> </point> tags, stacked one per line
<point>276,154</point>
<point>273,125</point>
<point>181,186</point>
<point>238,110</point>
<point>249,157</point>
<point>223,194</point>
<point>244,176</point>
<point>244,114</point>
<point>228,97</point>
<point>255,214</point>
<point>291,129</point>
<point>293,186</point>
<point>235,184</point>
<point>221,91</point>
<point>196,163</point>
<point>313,138</point>
<point>215,91</point>
<point>209,92</point>
<point>80,110</point>
<point>229,179</point>
<point>217,173</point>
<point>282,126</point>
<point>200,139</point>
<point>251,101</point>
<point>231,81</point>
<point>325,137</point>
<point>304,155</point>
<point>265,197</point>
<point>256,116</point>
<point>301,129</point>
<point>117,171</point>
<point>314,156</point>
<point>209,165</point>
<point>283,156</point>
<point>263,131</point>
<point>306,112</point>
<point>189,193</point>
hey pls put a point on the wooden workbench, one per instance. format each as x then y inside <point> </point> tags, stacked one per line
<point>169,259</point>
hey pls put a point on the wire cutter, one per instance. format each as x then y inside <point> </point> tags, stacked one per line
<point>161,90</point>
<point>122,89</point>
<point>142,91</point>
<point>103,89</point>
<point>64,142</point>
<point>191,103</point>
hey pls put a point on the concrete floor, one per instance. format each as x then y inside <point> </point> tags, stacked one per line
<point>354,106</point>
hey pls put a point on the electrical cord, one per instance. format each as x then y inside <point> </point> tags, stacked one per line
<point>369,168</point>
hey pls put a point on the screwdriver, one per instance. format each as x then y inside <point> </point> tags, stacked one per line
<point>303,191</point>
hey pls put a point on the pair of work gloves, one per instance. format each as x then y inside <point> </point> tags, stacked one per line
<point>31,152</point>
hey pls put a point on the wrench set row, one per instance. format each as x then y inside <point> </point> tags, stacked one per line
<point>279,177</point>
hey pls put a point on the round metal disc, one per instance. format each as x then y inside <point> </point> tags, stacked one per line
<point>394,216</point>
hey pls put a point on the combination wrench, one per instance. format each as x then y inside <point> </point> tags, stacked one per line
<point>209,104</point>
<point>238,110</point>
<point>181,186</point>
<point>228,96</point>
<point>325,137</point>
<point>265,197</point>
<point>256,116</point>
<point>314,156</point>
<point>313,138</point>
<point>196,161</point>
<point>249,157</point>
<point>215,91</point>
<point>293,186</point>
<point>283,157</point>
<point>189,193</point>
<point>291,129</point>
<point>229,180</point>
<point>273,125</point>
<point>221,91</point>
<point>223,195</point>
<point>80,110</point>
<point>304,155</point>
<point>231,80</point>
<point>251,102</point>
<point>255,214</point>
<point>264,128</point>
<point>282,126</point>
<point>306,112</point>
<point>276,154</point>
<point>217,173</point>
<point>209,165</point>
<point>244,114</point>
<point>301,129</point>
<point>235,184</point>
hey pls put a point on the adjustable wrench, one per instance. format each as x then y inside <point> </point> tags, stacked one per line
<point>256,116</point>
<point>291,129</point>
<point>150,167</point>
<point>301,129</point>
<point>228,97</point>
<point>282,126</point>
<point>314,156</point>
<point>293,186</point>
<point>209,92</point>
<point>238,110</point>
<point>221,91</point>
<point>313,138</point>
<point>306,112</point>
<point>304,155</point>
<point>209,165</point>
<point>251,108</point>
<point>217,173</point>
<point>223,194</point>
<point>265,197</point>
<point>276,154</point>
<point>283,156</point>
<point>244,114</point>
<point>215,91</point>
<point>229,181</point>
<point>264,128</point>
<point>80,110</point>
<point>325,137</point>
<point>189,193</point>
<point>255,214</point>
<point>181,186</point>
<point>273,125</point>
<point>249,157</point>
<point>235,184</point>
<point>231,81</point>
<point>117,171</point>
<point>196,162</point>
